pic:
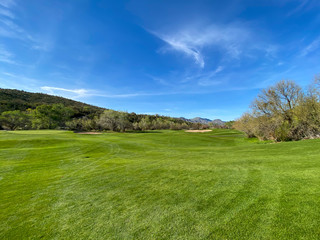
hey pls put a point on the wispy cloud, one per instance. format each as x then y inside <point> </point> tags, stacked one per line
<point>314,45</point>
<point>159,80</point>
<point>19,77</point>
<point>232,39</point>
<point>17,81</point>
<point>10,28</point>
<point>6,56</point>
<point>179,44</point>
<point>83,93</point>
<point>209,78</point>
<point>205,78</point>
<point>54,90</point>
<point>219,69</point>
<point>301,6</point>
<point>7,3</point>
<point>6,13</point>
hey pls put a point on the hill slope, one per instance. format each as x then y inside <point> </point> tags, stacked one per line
<point>12,99</point>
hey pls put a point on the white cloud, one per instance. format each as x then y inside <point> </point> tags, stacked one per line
<point>232,39</point>
<point>54,90</point>
<point>219,69</point>
<point>6,56</point>
<point>15,81</point>
<point>303,6</point>
<point>9,28</point>
<point>81,93</point>
<point>6,13</point>
<point>311,47</point>
<point>205,79</point>
<point>7,3</point>
<point>159,80</point>
<point>189,50</point>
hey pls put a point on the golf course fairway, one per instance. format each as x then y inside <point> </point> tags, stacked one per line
<point>157,185</point>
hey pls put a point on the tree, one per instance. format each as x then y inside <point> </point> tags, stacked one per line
<point>246,124</point>
<point>82,124</point>
<point>145,123</point>
<point>280,99</point>
<point>51,116</point>
<point>284,112</point>
<point>114,121</point>
<point>15,120</point>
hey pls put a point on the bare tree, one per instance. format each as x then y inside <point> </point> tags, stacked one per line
<point>280,99</point>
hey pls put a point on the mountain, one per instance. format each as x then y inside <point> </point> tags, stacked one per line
<point>200,120</point>
<point>218,122</point>
<point>12,99</point>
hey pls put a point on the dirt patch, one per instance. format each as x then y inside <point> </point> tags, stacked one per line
<point>91,133</point>
<point>198,131</point>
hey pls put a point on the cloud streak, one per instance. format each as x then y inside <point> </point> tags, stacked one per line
<point>6,56</point>
<point>9,27</point>
<point>7,3</point>
<point>314,45</point>
<point>6,13</point>
<point>192,41</point>
<point>84,93</point>
<point>78,92</point>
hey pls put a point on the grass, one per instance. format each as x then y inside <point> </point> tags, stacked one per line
<point>157,185</point>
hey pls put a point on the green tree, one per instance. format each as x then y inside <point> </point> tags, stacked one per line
<point>15,120</point>
<point>114,121</point>
<point>145,123</point>
<point>51,116</point>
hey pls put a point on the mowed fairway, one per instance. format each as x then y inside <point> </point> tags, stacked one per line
<point>157,185</point>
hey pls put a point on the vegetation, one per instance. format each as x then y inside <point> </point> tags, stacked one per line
<point>157,185</point>
<point>284,112</point>
<point>12,99</point>
<point>21,110</point>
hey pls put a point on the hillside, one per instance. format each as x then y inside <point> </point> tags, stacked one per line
<point>12,99</point>
<point>84,116</point>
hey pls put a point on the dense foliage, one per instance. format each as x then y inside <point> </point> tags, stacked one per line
<point>284,112</point>
<point>11,99</point>
<point>24,110</point>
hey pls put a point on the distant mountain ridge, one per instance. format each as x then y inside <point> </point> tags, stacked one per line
<point>205,121</point>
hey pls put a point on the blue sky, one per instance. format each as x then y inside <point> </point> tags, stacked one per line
<point>185,58</point>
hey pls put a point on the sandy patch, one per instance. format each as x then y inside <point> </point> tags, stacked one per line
<point>198,131</point>
<point>91,133</point>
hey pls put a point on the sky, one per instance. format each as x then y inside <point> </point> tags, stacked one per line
<point>179,58</point>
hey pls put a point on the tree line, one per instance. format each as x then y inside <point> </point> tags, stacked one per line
<point>58,116</point>
<point>283,112</point>
<point>25,110</point>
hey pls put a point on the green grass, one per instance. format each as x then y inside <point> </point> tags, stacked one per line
<point>157,185</point>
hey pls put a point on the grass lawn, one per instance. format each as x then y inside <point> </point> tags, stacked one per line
<point>157,185</point>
